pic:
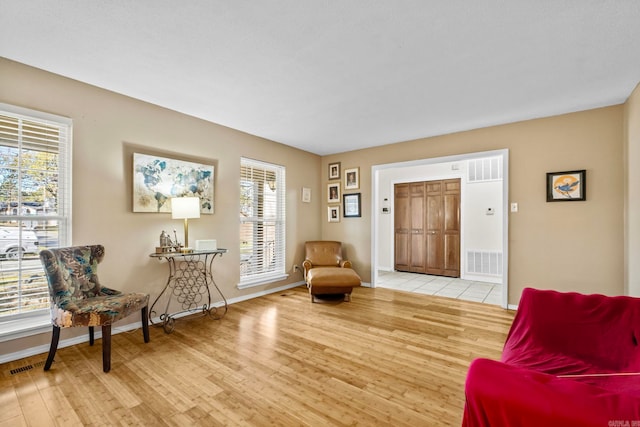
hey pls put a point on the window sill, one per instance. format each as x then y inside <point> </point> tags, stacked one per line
<point>25,326</point>
<point>264,280</point>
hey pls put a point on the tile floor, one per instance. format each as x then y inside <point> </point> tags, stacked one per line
<point>490,293</point>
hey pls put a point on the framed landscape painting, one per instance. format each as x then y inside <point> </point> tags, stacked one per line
<point>157,179</point>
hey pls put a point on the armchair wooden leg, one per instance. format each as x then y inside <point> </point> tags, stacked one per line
<point>91,339</point>
<point>55,337</point>
<point>145,322</point>
<point>106,348</point>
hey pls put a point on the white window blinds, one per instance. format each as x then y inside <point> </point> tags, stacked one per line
<point>262,222</point>
<point>35,203</point>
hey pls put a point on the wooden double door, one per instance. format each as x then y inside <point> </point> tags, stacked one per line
<point>427,227</point>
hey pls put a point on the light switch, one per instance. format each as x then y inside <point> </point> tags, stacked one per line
<point>514,207</point>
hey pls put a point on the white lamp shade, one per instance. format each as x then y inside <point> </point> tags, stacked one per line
<point>185,207</point>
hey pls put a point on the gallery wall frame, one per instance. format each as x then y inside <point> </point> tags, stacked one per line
<point>568,186</point>
<point>333,192</point>
<point>333,213</point>
<point>306,195</point>
<point>334,170</point>
<point>157,179</point>
<point>352,179</point>
<point>351,204</point>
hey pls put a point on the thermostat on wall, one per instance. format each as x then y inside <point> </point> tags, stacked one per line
<point>206,245</point>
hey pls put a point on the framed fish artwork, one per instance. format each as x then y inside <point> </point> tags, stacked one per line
<point>568,186</point>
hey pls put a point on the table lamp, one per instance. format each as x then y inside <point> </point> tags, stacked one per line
<point>185,208</point>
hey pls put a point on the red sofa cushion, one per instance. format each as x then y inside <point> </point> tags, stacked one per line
<point>569,360</point>
<point>503,395</point>
<point>576,334</point>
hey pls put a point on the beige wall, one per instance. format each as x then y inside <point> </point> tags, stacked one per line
<point>575,246</point>
<point>566,246</point>
<point>107,129</point>
<point>632,194</point>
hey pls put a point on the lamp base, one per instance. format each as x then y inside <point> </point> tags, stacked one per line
<point>186,250</point>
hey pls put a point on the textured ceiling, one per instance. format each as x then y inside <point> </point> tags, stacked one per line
<point>334,76</point>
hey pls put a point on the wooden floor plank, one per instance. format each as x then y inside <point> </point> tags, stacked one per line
<point>386,358</point>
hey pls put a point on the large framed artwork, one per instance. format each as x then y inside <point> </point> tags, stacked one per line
<point>157,179</point>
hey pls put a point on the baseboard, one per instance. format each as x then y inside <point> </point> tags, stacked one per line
<point>44,348</point>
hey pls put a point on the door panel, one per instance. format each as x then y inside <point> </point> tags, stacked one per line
<point>451,265</point>
<point>402,225</point>
<point>427,227</point>
<point>417,228</point>
<point>435,258</point>
<point>451,228</point>
<point>402,252</point>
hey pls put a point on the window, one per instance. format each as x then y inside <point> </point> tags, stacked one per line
<point>35,204</point>
<point>262,223</point>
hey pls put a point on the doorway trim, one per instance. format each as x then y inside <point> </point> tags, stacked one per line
<point>376,206</point>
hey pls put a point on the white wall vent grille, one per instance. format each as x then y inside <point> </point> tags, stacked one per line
<point>484,262</point>
<point>487,169</point>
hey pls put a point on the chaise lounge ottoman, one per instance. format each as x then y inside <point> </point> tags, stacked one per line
<point>332,280</point>
<point>326,272</point>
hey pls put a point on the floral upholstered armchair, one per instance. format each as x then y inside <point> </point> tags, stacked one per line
<point>78,298</point>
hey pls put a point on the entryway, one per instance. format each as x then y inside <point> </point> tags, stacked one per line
<point>483,245</point>
<point>485,292</point>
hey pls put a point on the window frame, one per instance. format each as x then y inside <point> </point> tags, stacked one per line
<point>31,322</point>
<point>277,273</point>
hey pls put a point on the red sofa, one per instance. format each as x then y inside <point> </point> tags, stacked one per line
<point>569,360</point>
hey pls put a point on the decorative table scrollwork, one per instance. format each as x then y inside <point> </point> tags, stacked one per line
<point>189,284</point>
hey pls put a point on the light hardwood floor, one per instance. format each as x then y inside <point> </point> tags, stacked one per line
<point>388,358</point>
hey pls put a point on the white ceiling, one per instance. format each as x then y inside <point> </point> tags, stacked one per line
<point>333,76</point>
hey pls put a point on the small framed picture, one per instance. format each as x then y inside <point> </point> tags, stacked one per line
<point>333,193</point>
<point>352,179</point>
<point>334,170</point>
<point>333,214</point>
<point>568,186</point>
<point>306,195</point>
<point>351,203</point>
